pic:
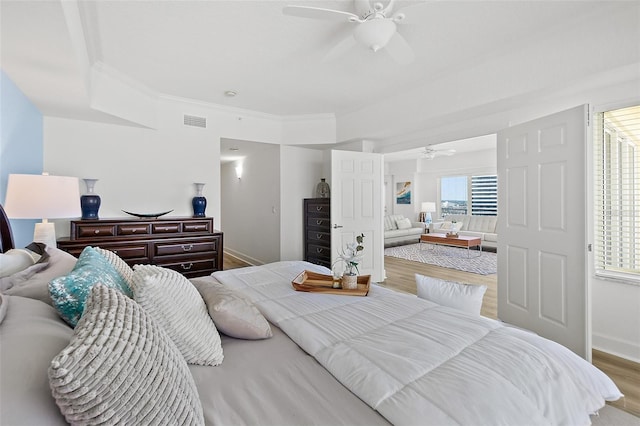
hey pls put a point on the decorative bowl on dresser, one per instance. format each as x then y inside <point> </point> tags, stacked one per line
<point>317,231</point>
<point>188,245</point>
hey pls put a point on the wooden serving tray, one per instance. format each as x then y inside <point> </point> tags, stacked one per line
<point>320,283</point>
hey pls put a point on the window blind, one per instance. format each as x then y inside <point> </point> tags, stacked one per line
<point>617,193</point>
<point>484,195</point>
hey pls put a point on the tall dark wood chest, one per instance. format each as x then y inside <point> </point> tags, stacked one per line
<point>317,231</point>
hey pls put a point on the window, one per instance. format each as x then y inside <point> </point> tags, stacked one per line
<point>454,195</point>
<point>484,195</point>
<point>617,193</point>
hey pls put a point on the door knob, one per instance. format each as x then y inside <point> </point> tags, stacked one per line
<point>337,226</point>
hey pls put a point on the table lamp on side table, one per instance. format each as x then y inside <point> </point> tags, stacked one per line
<point>42,197</point>
<point>428,207</point>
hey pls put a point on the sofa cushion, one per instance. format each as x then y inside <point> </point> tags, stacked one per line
<point>390,223</point>
<point>482,223</point>
<point>472,234</point>
<point>491,237</point>
<point>403,223</point>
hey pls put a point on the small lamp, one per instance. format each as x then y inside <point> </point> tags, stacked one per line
<point>239,170</point>
<point>42,197</point>
<point>428,207</point>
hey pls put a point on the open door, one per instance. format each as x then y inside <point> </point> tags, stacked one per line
<point>542,243</point>
<point>356,207</point>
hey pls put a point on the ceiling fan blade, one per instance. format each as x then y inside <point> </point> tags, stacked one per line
<point>400,50</point>
<point>340,49</point>
<point>320,13</point>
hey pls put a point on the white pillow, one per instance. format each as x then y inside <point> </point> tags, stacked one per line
<point>174,303</point>
<point>13,261</point>
<point>231,312</point>
<point>466,297</point>
<point>403,223</point>
<point>120,265</point>
<point>121,368</point>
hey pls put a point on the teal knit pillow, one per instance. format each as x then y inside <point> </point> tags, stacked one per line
<point>69,293</point>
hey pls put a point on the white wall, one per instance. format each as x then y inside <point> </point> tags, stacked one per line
<point>398,172</point>
<point>250,206</point>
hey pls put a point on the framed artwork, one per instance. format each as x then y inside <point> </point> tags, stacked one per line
<point>403,193</point>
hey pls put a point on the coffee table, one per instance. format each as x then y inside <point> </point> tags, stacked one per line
<point>460,241</point>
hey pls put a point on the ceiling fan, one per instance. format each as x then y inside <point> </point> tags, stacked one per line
<point>431,153</point>
<point>375,27</point>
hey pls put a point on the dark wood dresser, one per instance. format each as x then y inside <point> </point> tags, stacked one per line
<point>317,231</point>
<point>188,245</point>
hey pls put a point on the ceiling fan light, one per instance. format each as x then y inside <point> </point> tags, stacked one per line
<point>375,33</point>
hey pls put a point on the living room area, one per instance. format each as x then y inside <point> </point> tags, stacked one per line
<point>449,188</point>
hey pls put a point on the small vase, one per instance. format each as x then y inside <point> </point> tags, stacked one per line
<point>199,202</point>
<point>322,190</point>
<point>349,281</point>
<point>90,202</point>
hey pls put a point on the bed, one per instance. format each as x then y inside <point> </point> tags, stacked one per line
<point>387,358</point>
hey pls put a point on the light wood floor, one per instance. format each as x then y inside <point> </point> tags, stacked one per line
<point>401,277</point>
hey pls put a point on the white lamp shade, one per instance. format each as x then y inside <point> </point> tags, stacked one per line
<point>428,206</point>
<point>42,197</point>
<point>375,33</point>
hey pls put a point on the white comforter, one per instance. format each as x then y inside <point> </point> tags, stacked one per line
<point>416,362</point>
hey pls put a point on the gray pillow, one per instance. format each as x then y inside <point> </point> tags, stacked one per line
<point>121,368</point>
<point>174,303</point>
<point>232,313</point>
<point>31,334</point>
<point>34,282</point>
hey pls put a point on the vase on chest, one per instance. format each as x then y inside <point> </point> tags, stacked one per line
<point>90,202</point>
<point>199,202</point>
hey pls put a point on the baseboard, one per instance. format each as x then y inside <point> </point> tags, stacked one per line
<point>243,257</point>
<point>620,348</point>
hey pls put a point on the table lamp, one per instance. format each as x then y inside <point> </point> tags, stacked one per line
<point>42,197</point>
<point>428,207</point>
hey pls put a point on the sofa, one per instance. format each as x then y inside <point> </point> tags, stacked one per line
<point>401,230</point>
<point>484,227</point>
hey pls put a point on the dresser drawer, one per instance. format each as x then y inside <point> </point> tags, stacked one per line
<point>165,228</point>
<point>318,251</point>
<point>134,229</point>
<point>94,230</point>
<point>204,226</point>
<point>132,253</point>
<point>318,222</point>
<point>191,267</point>
<point>170,248</point>
<point>319,209</point>
<point>319,238</point>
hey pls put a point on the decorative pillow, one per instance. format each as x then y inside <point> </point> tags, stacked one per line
<point>121,368</point>
<point>447,226</point>
<point>403,223</point>
<point>32,333</point>
<point>174,303</point>
<point>69,293</point>
<point>466,297</point>
<point>4,301</point>
<point>232,313</point>
<point>33,282</point>
<point>13,261</point>
<point>120,265</point>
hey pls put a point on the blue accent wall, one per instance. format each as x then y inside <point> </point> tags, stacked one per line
<point>21,146</point>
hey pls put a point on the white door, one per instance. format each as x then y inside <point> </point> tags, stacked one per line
<point>356,207</point>
<point>542,243</point>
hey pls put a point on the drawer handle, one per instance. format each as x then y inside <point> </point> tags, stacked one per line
<point>134,230</point>
<point>319,208</point>
<point>187,247</point>
<point>186,266</point>
<point>318,222</point>
<point>97,231</point>
<point>115,251</point>
<point>319,250</point>
<point>318,236</point>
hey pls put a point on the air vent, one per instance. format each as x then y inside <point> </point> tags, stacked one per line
<point>192,120</point>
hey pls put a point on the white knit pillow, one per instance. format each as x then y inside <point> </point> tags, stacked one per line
<point>121,368</point>
<point>120,265</point>
<point>176,305</point>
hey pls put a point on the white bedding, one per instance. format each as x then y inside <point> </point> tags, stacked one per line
<point>416,362</point>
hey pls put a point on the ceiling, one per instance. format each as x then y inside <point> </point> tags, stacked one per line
<point>276,63</point>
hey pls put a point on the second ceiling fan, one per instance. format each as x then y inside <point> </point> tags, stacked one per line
<point>375,27</point>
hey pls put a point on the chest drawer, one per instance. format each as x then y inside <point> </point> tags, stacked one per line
<point>165,228</point>
<point>317,209</point>
<point>204,226</point>
<point>92,231</point>
<point>192,267</point>
<point>134,229</point>
<point>318,251</point>
<point>318,222</point>
<point>319,238</point>
<point>171,248</point>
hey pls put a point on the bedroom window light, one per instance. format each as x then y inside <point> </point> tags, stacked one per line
<point>617,194</point>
